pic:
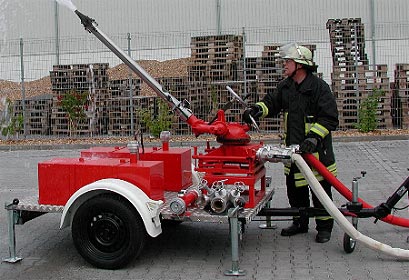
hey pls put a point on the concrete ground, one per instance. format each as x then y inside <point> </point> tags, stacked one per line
<point>202,250</point>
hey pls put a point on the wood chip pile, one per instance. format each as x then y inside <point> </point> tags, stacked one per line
<point>157,69</point>
<point>12,90</point>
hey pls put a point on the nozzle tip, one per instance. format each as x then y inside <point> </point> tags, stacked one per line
<point>85,20</point>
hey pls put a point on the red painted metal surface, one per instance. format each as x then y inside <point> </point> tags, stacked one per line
<point>228,133</point>
<point>190,197</point>
<point>157,170</point>
<point>59,178</point>
<point>177,162</point>
<point>236,163</point>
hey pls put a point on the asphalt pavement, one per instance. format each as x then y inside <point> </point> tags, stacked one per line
<point>202,250</point>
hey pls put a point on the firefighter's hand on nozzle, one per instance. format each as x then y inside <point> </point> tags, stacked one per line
<point>309,145</point>
<point>254,111</point>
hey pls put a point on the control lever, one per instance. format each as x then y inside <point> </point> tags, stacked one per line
<point>241,101</point>
<point>228,105</point>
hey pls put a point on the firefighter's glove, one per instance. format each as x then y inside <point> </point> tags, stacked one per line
<point>255,111</point>
<point>310,143</point>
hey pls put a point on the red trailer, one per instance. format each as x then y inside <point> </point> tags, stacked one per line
<point>114,197</point>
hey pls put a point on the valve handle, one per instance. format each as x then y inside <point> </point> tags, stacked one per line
<point>236,96</point>
<point>254,124</point>
<point>239,186</point>
<point>203,184</point>
<point>241,101</point>
<point>218,185</point>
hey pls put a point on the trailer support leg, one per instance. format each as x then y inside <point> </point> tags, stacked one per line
<point>234,240</point>
<point>12,221</point>
<point>268,224</point>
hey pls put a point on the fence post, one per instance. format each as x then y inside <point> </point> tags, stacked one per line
<point>373,31</point>
<point>23,90</point>
<point>244,64</point>
<point>130,88</point>
<point>218,15</point>
<point>57,33</point>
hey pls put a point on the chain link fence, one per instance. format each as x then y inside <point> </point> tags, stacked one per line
<point>38,75</point>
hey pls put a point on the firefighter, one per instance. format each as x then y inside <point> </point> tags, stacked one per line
<point>310,114</point>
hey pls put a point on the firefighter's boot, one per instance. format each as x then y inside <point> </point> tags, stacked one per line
<point>324,228</point>
<point>298,226</point>
<point>323,236</point>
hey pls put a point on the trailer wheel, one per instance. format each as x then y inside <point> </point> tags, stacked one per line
<point>108,232</point>
<point>349,244</point>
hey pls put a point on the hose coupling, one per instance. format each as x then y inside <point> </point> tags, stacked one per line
<point>276,154</point>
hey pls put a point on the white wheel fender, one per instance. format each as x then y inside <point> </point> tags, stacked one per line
<point>147,208</point>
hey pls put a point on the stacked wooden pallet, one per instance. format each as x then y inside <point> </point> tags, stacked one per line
<point>269,74</point>
<point>347,38</point>
<point>213,64</point>
<point>179,88</point>
<point>351,88</point>
<point>38,113</point>
<point>269,70</point>
<point>353,79</point>
<point>81,78</point>
<point>117,116</point>
<point>401,97</point>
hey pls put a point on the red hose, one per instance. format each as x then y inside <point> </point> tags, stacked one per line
<point>345,192</point>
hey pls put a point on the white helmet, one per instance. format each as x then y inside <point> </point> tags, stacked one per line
<point>299,54</point>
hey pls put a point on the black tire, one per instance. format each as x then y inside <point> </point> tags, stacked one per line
<point>170,223</point>
<point>349,244</point>
<point>108,232</point>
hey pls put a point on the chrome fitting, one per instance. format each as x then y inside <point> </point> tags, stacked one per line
<point>276,153</point>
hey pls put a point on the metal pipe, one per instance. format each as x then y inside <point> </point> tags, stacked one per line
<point>208,195</point>
<point>133,147</point>
<point>130,89</point>
<point>179,204</point>
<point>23,89</point>
<point>57,33</point>
<point>373,32</point>
<point>164,138</point>
<point>221,201</point>
<point>12,218</point>
<point>275,153</point>
<point>235,195</point>
<point>303,211</point>
<point>354,190</point>
<point>234,237</point>
<point>91,26</point>
<point>218,17</point>
<point>219,204</point>
<point>236,199</point>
